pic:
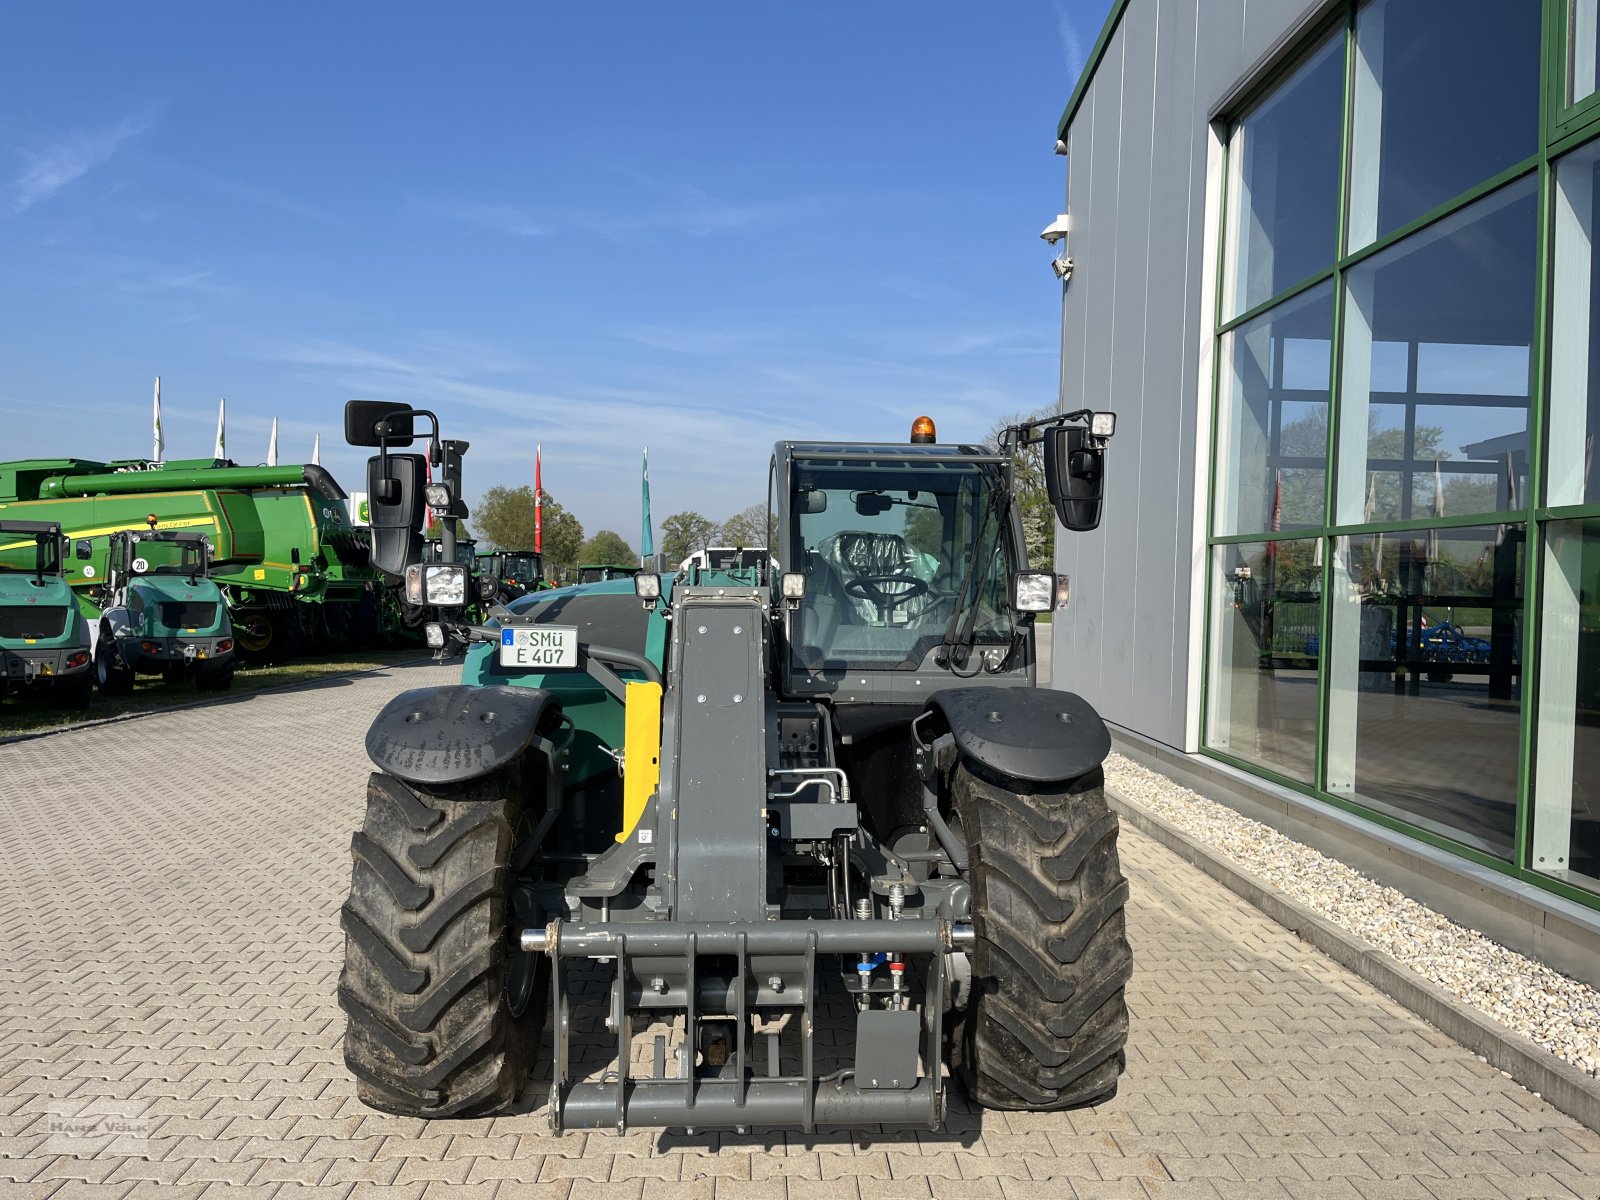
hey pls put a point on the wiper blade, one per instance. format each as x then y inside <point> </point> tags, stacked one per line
<point>961,632</point>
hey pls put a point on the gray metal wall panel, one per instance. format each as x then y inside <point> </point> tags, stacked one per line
<point>1132,321</point>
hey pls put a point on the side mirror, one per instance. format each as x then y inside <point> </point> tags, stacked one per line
<point>362,419</point>
<point>394,504</point>
<point>84,549</point>
<point>1074,475</point>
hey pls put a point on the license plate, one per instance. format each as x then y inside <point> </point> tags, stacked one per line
<point>539,647</point>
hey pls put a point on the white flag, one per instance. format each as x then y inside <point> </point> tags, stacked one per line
<point>272,446</point>
<point>316,451</point>
<point>221,450</point>
<point>160,442</point>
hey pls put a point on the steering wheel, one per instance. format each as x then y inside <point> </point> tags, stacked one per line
<point>870,588</point>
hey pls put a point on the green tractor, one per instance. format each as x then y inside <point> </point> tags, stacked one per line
<point>804,825</point>
<point>162,613</point>
<point>515,572</point>
<point>606,572</point>
<point>44,640</point>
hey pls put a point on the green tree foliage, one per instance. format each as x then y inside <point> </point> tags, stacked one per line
<point>684,533</point>
<point>748,527</point>
<point>1033,502</point>
<point>607,547</point>
<point>504,518</point>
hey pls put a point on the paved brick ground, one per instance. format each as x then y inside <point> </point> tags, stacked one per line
<point>169,947</point>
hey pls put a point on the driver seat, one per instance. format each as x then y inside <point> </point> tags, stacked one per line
<point>857,552</point>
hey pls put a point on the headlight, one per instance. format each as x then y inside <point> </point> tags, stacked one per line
<point>434,632</point>
<point>437,495</point>
<point>1033,591</point>
<point>445,584</point>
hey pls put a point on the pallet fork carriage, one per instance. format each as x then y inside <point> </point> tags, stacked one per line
<point>745,799</point>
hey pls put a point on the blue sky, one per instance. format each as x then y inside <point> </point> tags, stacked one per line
<point>696,226</point>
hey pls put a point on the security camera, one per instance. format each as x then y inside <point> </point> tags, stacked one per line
<point>1062,267</point>
<point>1056,230</point>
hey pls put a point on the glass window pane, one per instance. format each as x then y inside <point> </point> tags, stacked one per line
<point>1266,630</point>
<point>1274,421</point>
<point>1583,57</point>
<point>1574,368</point>
<point>1446,96</point>
<point>1433,415</point>
<point>1425,678</point>
<point>1284,183</point>
<point>1566,818</point>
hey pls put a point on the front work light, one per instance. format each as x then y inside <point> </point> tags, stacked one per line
<point>437,495</point>
<point>434,632</point>
<point>647,585</point>
<point>922,431</point>
<point>794,585</point>
<point>443,585</point>
<point>1033,591</point>
<point>1103,424</point>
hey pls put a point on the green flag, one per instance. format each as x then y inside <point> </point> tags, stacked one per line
<point>647,539</point>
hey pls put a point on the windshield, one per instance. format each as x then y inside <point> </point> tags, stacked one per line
<point>28,554</point>
<point>519,567</point>
<point>885,548</point>
<point>166,558</point>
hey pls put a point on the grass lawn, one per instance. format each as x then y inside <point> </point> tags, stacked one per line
<point>30,715</point>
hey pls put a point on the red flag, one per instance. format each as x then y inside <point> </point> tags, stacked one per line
<point>538,500</point>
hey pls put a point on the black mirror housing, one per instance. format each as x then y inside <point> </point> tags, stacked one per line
<point>362,418</point>
<point>1074,476</point>
<point>395,508</point>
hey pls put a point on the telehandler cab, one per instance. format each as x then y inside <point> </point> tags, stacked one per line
<point>703,802</point>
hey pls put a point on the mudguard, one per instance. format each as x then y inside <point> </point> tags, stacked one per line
<point>454,733</point>
<point>1036,734</point>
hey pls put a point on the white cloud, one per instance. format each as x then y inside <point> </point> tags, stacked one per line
<point>45,172</point>
<point>1071,44</point>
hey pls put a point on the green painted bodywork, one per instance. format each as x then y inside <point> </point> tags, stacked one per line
<point>261,519</point>
<point>26,588</point>
<point>596,716</point>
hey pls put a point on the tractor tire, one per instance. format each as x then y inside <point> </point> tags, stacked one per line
<point>265,636</point>
<point>114,678</point>
<point>443,1008</point>
<point>1046,1022</point>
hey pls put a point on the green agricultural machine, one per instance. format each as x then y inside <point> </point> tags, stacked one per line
<point>44,639</point>
<point>298,570</point>
<point>515,572</point>
<point>162,613</point>
<point>606,572</point>
<point>798,834</point>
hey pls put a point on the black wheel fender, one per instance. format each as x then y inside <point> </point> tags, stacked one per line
<point>451,734</point>
<point>1033,734</point>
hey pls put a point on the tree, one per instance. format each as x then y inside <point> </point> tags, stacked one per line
<point>504,518</point>
<point>607,547</point>
<point>1033,501</point>
<point>748,527</point>
<point>684,533</point>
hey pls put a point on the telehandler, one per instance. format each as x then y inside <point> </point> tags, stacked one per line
<point>728,793</point>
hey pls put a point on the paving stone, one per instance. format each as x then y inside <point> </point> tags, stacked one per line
<point>1257,1067</point>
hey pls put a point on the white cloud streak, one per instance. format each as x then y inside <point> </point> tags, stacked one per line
<point>66,160</point>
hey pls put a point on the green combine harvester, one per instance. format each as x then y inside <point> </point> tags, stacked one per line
<point>298,573</point>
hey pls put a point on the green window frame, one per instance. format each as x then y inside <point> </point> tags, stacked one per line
<point>1562,127</point>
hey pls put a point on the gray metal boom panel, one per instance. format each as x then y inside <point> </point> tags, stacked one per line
<point>715,762</point>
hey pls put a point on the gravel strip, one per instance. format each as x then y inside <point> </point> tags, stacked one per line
<point>1554,1011</point>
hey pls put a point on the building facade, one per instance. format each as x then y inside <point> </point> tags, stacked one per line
<point>1334,266</point>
